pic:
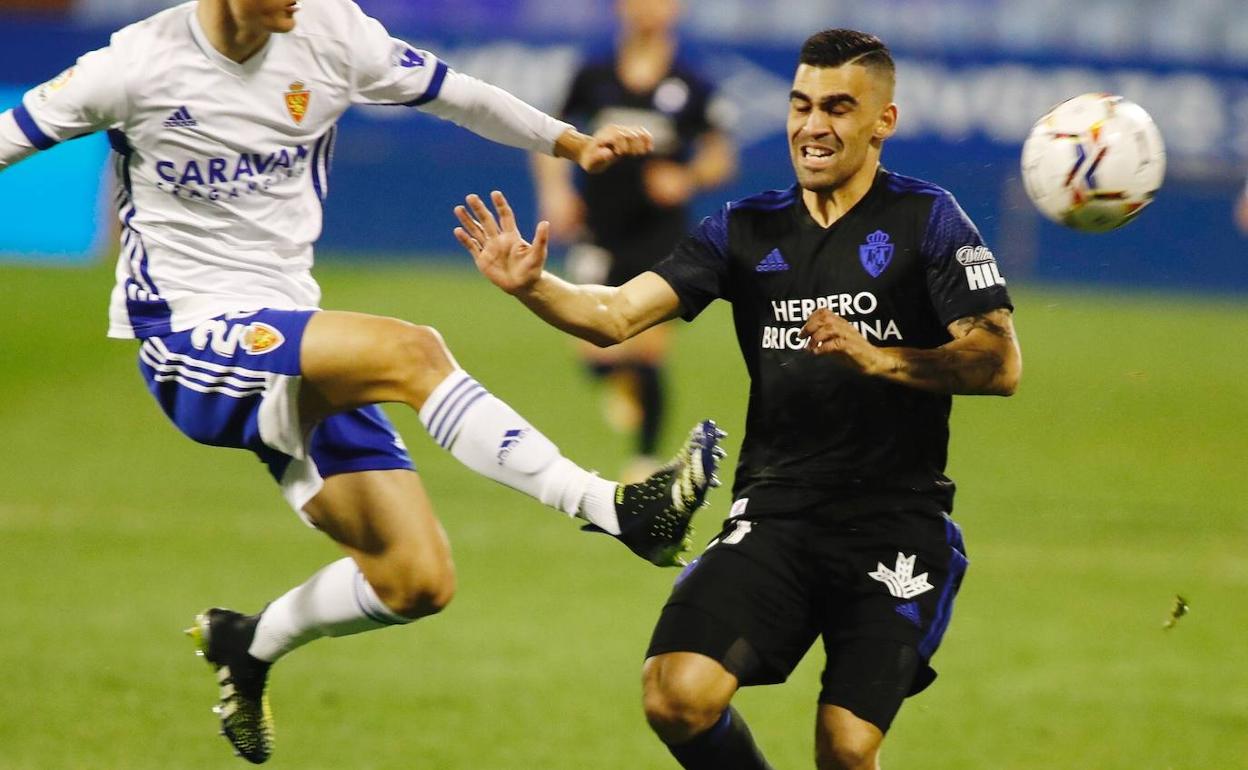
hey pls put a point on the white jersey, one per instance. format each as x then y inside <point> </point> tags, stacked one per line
<point>222,166</point>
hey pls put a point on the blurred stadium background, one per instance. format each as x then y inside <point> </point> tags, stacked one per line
<point>1112,482</point>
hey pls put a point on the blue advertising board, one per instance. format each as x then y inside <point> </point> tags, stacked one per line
<point>53,204</point>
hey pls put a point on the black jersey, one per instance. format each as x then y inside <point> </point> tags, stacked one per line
<point>621,217</point>
<point>900,265</point>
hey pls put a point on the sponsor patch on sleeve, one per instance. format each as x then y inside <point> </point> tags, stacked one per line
<point>981,267</point>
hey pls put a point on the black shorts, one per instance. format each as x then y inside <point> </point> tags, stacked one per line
<point>878,588</point>
<point>629,252</point>
<point>597,264</point>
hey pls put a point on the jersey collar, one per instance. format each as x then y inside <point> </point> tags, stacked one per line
<point>221,61</point>
<point>807,221</point>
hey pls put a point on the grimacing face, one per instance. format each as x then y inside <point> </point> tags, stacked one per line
<point>836,116</point>
<point>269,15</point>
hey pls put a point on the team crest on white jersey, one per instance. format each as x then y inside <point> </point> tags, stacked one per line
<point>901,580</point>
<point>297,99</point>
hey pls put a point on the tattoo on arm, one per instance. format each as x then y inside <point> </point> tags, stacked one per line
<point>969,324</point>
<point>970,367</point>
<point>948,371</point>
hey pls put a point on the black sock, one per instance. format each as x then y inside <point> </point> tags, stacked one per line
<point>650,391</point>
<point>726,746</point>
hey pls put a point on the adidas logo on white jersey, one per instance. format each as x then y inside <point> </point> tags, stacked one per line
<point>181,118</point>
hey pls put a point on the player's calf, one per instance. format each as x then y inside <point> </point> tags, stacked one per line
<point>843,741</point>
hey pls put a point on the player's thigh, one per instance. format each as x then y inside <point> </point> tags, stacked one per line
<point>745,603</point>
<point>843,741</point>
<point>386,522</point>
<point>354,359</point>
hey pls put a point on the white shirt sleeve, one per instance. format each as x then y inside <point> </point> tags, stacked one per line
<point>491,112</point>
<point>14,145</point>
<point>87,97</point>
<point>389,71</point>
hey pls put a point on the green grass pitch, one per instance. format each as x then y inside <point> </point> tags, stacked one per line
<point>1114,480</point>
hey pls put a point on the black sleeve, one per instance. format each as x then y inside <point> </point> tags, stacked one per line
<point>962,274</point>
<point>699,115</point>
<point>697,269</point>
<point>576,106</point>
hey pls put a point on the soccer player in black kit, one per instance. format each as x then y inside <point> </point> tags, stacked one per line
<point>626,219</point>
<point>862,300</point>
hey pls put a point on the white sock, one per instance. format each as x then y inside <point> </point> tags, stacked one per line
<point>489,437</point>
<point>336,601</point>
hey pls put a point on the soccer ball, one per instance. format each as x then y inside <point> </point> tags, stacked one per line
<point>1093,162</point>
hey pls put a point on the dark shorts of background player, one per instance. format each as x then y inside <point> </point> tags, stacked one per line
<point>758,597</point>
<point>647,243</point>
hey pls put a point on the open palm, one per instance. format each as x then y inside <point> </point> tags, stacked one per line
<point>501,254</point>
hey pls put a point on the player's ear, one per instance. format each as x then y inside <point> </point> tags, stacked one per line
<point>886,124</point>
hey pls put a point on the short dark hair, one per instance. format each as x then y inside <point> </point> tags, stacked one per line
<point>834,47</point>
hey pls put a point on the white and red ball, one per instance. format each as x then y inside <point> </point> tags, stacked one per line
<point>1093,162</point>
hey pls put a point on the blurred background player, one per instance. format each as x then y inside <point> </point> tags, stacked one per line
<point>621,220</point>
<point>222,115</point>
<point>861,307</point>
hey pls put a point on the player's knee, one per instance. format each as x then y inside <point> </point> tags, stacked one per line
<point>676,707</point>
<point>847,752</point>
<point>419,590</point>
<point>419,358</point>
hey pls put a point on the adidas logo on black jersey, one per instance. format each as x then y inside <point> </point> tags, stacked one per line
<point>181,118</point>
<point>772,263</point>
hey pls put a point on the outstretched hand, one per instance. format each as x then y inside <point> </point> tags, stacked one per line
<point>501,254</point>
<point>610,143</point>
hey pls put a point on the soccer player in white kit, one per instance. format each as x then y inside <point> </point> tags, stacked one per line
<point>221,114</point>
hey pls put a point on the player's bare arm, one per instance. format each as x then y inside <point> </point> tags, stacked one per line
<point>603,315</point>
<point>982,359</point>
<point>600,151</point>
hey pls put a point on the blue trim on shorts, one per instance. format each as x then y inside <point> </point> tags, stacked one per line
<point>953,580</point>
<point>360,440</point>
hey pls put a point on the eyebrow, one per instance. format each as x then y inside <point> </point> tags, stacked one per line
<point>828,102</point>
